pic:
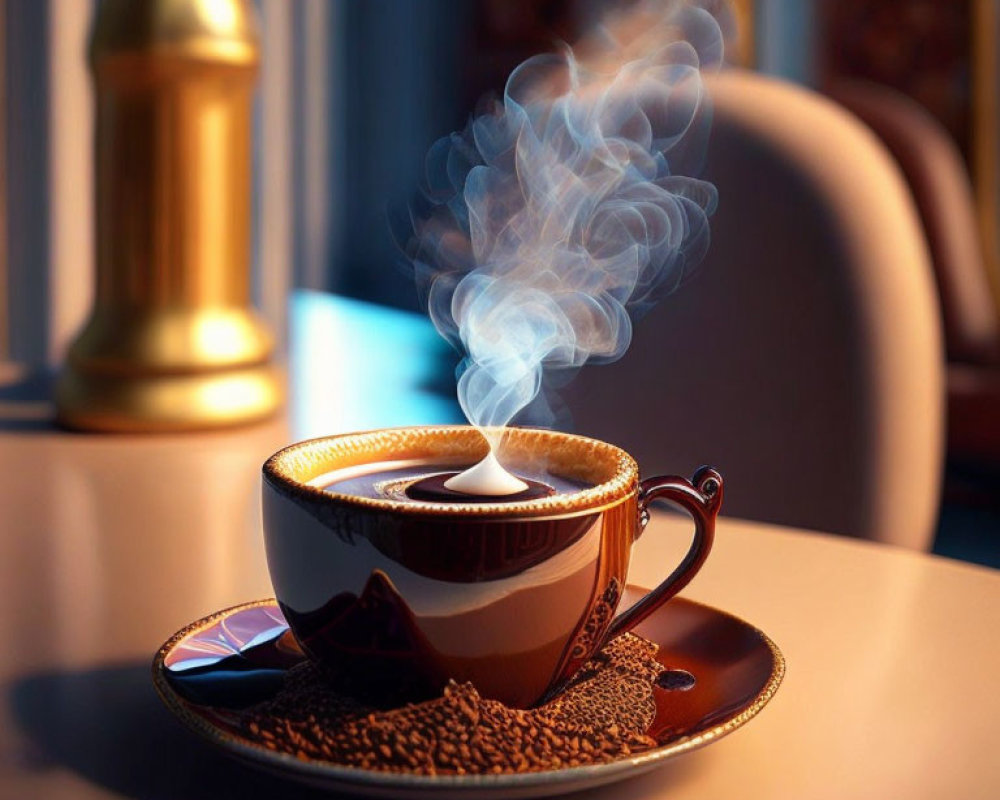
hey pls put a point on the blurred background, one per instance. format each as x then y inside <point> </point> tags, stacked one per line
<point>351,95</point>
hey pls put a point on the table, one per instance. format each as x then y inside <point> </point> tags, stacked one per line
<point>110,544</point>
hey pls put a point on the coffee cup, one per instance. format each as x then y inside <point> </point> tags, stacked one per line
<point>513,594</point>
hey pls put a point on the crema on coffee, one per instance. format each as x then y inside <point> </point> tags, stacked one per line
<point>422,481</point>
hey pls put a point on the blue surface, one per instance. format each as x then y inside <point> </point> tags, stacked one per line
<point>970,534</point>
<point>357,366</point>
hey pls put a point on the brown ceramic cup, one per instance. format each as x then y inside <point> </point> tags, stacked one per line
<point>512,596</point>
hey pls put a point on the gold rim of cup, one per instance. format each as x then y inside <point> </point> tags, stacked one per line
<point>300,468</point>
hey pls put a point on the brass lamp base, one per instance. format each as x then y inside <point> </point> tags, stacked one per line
<point>168,403</point>
<point>150,369</point>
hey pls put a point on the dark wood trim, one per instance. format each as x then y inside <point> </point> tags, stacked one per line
<point>986,133</point>
<point>4,275</point>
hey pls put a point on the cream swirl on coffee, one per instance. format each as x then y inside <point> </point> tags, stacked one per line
<point>397,480</point>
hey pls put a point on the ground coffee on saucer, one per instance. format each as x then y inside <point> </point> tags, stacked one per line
<point>601,716</point>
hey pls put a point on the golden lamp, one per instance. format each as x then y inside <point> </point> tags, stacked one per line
<point>172,342</point>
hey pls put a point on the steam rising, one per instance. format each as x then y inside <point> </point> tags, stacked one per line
<point>560,210</point>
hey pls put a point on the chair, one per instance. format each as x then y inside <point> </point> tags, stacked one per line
<point>804,359</point>
<point>934,170</point>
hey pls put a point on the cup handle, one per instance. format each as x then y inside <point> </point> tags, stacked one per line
<point>701,497</point>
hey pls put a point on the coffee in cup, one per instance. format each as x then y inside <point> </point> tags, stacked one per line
<point>382,570</point>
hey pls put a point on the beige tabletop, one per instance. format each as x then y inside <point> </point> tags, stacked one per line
<point>110,544</point>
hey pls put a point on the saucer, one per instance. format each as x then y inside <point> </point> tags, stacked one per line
<point>719,672</point>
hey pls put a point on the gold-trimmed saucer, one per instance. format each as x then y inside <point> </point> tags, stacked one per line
<point>736,670</point>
